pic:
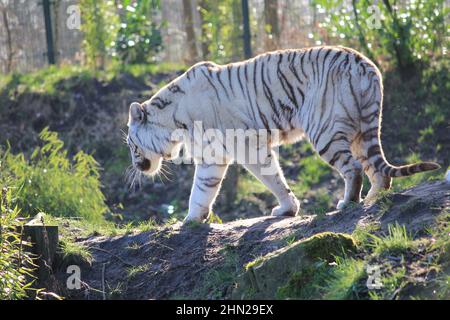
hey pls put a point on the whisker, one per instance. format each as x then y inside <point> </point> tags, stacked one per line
<point>124,136</point>
<point>164,173</point>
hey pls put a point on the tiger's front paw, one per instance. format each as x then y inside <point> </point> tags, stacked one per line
<point>195,218</point>
<point>288,209</point>
<point>341,204</point>
<point>345,204</point>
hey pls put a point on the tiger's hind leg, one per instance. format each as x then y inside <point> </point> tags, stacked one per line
<point>378,182</point>
<point>339,155</point>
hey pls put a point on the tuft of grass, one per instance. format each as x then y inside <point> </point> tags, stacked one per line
<point>253,264</point>
<point>214,218</point>
<point>363,234</point>
<point>147,225</point>
<point>384,201</point>
<point>117,291</point>
<point>135,271</point>
<point>345,280</point>
<point>397,241</point>
<point>75,251</point>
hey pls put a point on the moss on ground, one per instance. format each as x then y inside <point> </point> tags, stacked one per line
<point>265,275</point>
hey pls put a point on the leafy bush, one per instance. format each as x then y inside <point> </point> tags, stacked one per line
<point>15,263</point>
<point>139,36</point>
<point>407,33</point>
<point>50,182</point>
<point>99,28</point>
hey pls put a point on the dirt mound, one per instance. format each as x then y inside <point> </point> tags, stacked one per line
<point>202,261</point>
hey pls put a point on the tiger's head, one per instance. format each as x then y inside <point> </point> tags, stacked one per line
<point>150,134</point>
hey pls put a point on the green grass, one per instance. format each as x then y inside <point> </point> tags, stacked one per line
<point>43,80</point>
<point>53,79</point>
<point>384,201</point>
<point>392,281</point>
<point>217,281</point>
<point>304,285</point>
<point>397,241</point>
<point>147,225</point>
<point>214,218</point>
<point>312,171</point>
<point>363,234</point>
<point>132,272</point>
<point>75,251</point>
<point>345,280</point>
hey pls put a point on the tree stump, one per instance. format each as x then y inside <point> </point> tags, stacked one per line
<point>44,240</point>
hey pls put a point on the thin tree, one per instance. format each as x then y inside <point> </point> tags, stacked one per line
<point>204,7</point>
<point>189,28</point>
<point>271,24</point>
<point>9,52</point>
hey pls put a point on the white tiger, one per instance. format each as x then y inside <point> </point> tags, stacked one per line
<point>332,95</point>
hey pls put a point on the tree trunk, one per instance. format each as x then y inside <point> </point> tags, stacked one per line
<point>190,34</point>
<point>237,34</point>
<point>272,24</point>
<point>204,7</point>
<point>10,54</point>
<point>247,36</point>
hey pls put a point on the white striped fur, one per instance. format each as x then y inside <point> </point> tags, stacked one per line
<point>332,95</point>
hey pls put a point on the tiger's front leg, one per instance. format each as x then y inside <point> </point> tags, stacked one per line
<point>206,186</point>
<point>271,175</point>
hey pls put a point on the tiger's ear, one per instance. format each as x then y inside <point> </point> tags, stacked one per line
<point>137,113</point>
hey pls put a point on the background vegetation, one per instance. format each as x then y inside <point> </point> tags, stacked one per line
<point>61,124</point>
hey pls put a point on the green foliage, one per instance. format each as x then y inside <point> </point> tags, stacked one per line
<point>99,27</point>
<point>406,33</point>
<point>16,264</point>
<point>222,30</point>
<point>51,183</point>
<point>139,36</point>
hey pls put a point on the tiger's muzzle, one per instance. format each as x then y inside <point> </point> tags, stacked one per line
<point>144,165</point>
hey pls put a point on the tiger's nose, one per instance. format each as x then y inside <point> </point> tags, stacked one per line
<point>144,165</point>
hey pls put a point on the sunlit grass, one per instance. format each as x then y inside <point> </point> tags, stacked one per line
<point>344,279</point>
<point>397,241</point>
<point>49,80</point>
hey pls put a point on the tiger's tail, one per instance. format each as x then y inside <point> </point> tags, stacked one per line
<point>372,152</point>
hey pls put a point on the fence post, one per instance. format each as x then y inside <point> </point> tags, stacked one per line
<point>48,31</point>
<point>246,21</point>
